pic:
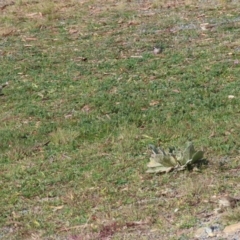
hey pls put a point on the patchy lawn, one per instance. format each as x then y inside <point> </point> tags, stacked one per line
<point>86,95</point>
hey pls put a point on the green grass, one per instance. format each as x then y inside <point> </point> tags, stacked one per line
<point>87,95</point>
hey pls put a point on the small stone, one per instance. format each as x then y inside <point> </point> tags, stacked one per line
<point>3,86</point>
<point>157,50</point>
<point>224,203</point>
<point>232,228</point>
<point>209,232</point>
<point>205,232</point>
<point>228,202</point>
<point>176,210</point>
<point>201,233</point>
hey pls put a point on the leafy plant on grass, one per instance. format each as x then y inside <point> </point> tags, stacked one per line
<point>164,161</point>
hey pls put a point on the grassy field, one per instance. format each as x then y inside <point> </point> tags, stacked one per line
<point>87,95</point>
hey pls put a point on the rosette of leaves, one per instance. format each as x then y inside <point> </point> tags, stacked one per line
<point>164,161</point>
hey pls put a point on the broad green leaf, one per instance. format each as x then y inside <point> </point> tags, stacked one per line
<point>168,161</point>
<point>153,163</point>
<point>153,148</point>
<point>179,156</point>
<point>161,169</point>
<point>173,160</point>
<point>197,156</point>
<point>188,151</point>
